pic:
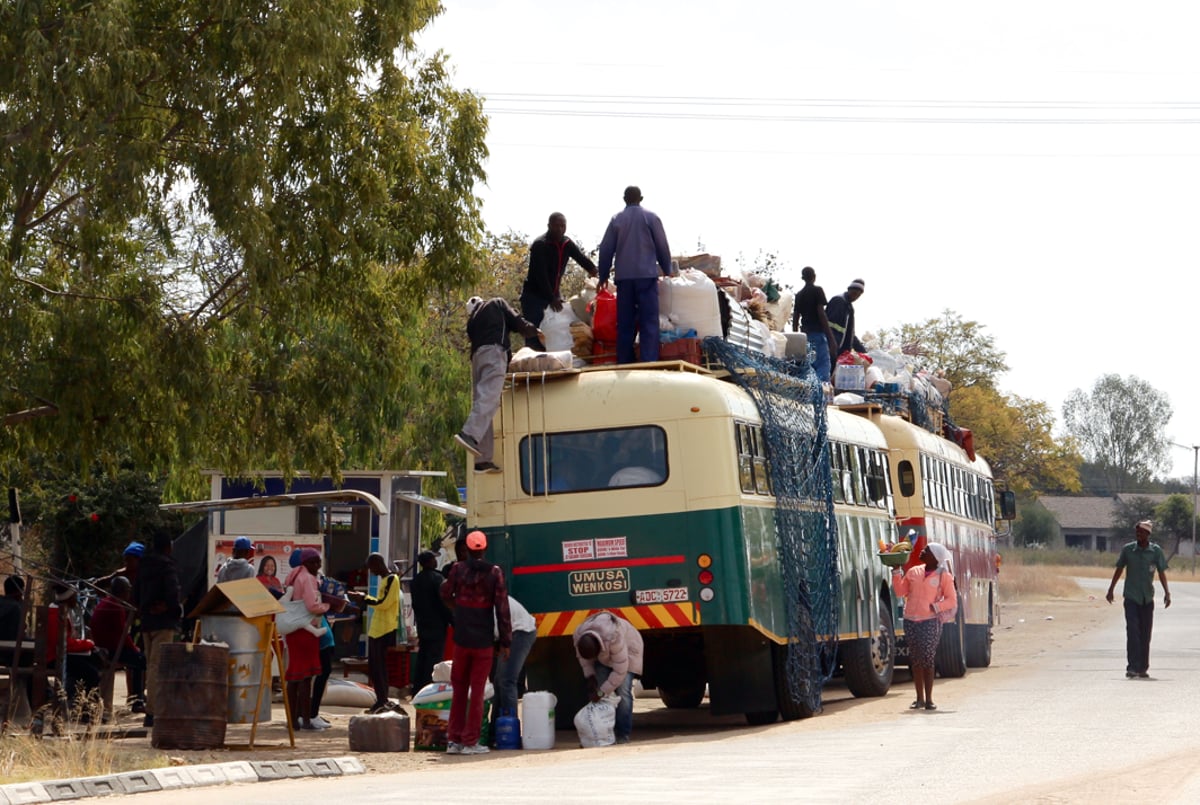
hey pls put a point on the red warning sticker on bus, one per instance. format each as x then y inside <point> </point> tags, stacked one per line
<point>611,548</point>
<point>577,550</point>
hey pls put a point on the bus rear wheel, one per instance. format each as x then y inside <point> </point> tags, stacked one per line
<point>687,696</point>
<point>869,663</point>
<point>790,708</point>
<point>979,646</point>
<point>951,658</point>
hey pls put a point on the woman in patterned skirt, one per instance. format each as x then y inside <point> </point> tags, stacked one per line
<point>929,599</point>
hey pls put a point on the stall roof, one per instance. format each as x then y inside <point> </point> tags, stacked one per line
<point>291,499</point>
<point>433,503</point>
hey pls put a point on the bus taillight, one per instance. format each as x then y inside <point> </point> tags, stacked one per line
<point>706,577</point>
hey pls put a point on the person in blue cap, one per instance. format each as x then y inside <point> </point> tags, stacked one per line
<point>241,566</point>
<point>132,555</point>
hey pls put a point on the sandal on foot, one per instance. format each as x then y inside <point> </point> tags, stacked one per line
<point>930,706</point>
<point>916,705</point>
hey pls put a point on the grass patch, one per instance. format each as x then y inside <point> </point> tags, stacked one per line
<point>1028,573</point>
<point>69,748</point>
<point>1064,557</point>
<point>1023,582</point>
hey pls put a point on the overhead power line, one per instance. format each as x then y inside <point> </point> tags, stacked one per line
<point>760,110</point>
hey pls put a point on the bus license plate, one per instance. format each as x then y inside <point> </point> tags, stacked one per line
<point>661,596</point>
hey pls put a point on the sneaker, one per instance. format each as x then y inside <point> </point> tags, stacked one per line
<point>477,749</point>
<point>930,706</point>
<point>1130,674</point>
<point>917,705</point>
<point>454,749</point>
<point>319,723</point>
<point>622,739</point>
<point>488,467</point>
<point>1143,675</point>
<point>469,443</point>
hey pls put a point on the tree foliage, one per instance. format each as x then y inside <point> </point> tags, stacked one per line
<point>1035,525</point>
<point>1120,425</point>
<point>217,219</point>
<point>1174,522</point>
<point>77,524</point>
<point>962,350</point>
<point>1128,511</point>
<point>1016,437</point>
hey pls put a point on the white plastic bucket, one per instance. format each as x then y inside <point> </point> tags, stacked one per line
<point>537,720</point>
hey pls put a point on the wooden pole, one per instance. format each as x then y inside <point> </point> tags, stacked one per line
<point>263,678</point>
<point>277,643</point>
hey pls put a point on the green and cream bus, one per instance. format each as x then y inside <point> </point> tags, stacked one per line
<point>646,491</point>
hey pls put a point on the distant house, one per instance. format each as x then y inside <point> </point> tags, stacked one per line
<point>1087,522</point>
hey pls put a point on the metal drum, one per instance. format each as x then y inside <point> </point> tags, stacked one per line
<point>189,697</point>
<point>249,648</point>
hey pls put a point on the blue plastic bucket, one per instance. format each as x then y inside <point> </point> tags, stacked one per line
<point>508,731</point>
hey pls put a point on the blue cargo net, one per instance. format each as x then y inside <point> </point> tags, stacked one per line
<point>794,425</point>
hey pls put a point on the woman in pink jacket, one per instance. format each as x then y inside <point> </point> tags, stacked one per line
<point>303,649</point>
<point>929,597</point>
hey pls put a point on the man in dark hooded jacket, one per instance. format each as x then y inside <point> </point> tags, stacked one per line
<point>158,598</point>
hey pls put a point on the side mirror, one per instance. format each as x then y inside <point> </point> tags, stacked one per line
<point>1008,505</point>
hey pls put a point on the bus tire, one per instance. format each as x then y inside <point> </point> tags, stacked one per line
<point>868,663</point>
<point>951,659</point>
<point>687,696</point>
<point>979,646</point>
<point>790,709</point>
<point>759,719</point>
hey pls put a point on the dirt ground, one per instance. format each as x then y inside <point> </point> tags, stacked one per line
<point>1026,630</point>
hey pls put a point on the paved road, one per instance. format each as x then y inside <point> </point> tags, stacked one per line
<point>1068,727</point>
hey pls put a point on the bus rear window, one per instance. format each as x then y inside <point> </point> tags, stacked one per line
<point>587,461</point>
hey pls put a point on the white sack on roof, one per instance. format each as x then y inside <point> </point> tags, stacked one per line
<point>690,301</point>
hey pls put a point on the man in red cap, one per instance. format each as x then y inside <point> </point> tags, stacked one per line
<point>475,590</point>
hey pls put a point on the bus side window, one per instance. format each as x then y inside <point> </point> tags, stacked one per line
<point>835,472</point>
<point>745,468</point>
<point>876,480</point>
<point>904,471</point>
<point>858,475</point>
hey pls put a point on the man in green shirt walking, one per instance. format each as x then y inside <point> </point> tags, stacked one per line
<point>1142,558</point>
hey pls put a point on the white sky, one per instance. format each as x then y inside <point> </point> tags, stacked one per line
<point>1072,241</point>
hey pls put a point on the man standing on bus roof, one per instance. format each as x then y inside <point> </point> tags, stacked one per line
<point>840,312</point>
<point>548,255</point>
<point>488,326</point>
<point>808,317</point>
<point>636,241</point>
<point>1142,557</point>
<point>609,650</point>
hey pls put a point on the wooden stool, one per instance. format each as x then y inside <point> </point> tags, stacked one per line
<point>356,664</point>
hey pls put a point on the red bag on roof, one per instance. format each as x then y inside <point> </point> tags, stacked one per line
<point>852,358</point>
<point>604,316</point>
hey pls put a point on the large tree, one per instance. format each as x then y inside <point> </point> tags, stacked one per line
<point>1016,437</point>
<point>217,219</point>
<point>1121,426</point>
